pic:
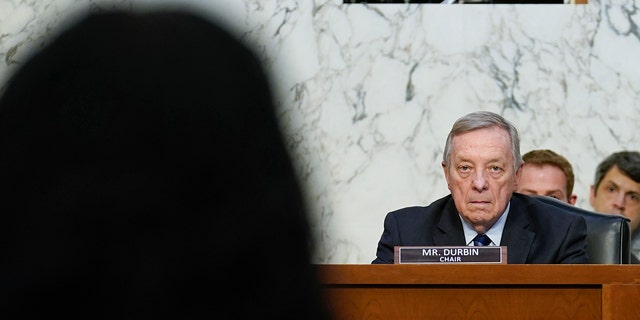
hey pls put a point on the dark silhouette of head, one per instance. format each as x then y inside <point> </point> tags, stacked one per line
<point>144,175</point>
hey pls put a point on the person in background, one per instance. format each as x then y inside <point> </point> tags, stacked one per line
<point>547,173</point>
<point>145,176</point>
<point>616,189</point>
<point>481,164</point>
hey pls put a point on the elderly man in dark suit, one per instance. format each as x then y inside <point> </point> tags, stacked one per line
<point>482,163</point>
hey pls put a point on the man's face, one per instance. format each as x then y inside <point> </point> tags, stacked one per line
<point>544,180</point>
<point>481,175</point>
<point>617,193</point>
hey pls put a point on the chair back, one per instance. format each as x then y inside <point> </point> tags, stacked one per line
<point>608,235</point>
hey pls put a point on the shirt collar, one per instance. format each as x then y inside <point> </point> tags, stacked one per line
<point>494,233</point>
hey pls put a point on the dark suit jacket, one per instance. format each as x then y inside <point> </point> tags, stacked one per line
<point>534,232</point>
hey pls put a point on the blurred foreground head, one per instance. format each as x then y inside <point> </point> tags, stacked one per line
<point>144,175</point>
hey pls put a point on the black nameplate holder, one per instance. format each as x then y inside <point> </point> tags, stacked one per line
<point>450,254</point>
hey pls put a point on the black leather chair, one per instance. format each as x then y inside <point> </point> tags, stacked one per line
<point>608,235</point>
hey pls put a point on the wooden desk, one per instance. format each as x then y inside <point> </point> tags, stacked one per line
<point>456,291</point>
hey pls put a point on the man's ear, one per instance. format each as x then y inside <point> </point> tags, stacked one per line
<point>519,173</point>
<point>446,174</point>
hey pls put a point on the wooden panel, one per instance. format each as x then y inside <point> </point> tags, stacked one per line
<point>451,291</point>
<point>478,274</point>
<point>620,301</point>
<point>465,303</point>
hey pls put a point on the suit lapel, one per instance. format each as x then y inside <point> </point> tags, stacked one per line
<point>449,231</point>
<point>516,235</point>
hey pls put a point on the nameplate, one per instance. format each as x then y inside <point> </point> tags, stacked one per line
<point>454,254</point>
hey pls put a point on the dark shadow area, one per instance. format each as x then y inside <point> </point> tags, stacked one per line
<point>145,176</point>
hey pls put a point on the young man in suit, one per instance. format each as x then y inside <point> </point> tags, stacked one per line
<point>547,173</point>
<point>616,189</point>
<point>481,164</point>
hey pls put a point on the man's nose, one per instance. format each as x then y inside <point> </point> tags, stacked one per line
<point>480,181</point>
<point>619,200</point>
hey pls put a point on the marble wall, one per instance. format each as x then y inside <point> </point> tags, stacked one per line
<point>367,93</point>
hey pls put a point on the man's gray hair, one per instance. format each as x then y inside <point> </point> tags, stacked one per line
<point>480,120</point>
